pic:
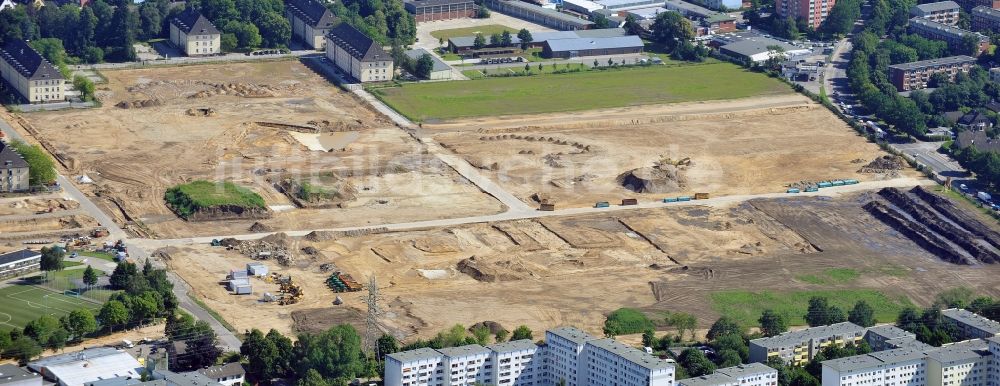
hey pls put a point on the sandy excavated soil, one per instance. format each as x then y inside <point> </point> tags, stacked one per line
<point>203,122</point>
<point>574,270</point>
<point>734,147</point>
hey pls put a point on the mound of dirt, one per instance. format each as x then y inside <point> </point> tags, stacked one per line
<point>206,112</point>
<point>258,227</point>
<point>884,164</point>
<point>657,179</point>
<point>493,270</point>
<point>316,236</point>
<point>138,104</point>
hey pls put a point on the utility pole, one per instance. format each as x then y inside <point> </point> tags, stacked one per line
<point>371,321</point>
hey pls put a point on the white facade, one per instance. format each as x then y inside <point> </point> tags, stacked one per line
<point>467,365</point>
<point>196,45</point>
<point>420,367</point>
<point>517,363</point>
<point>562,352</point>
<point>969,363</point>
<point>754,374</point>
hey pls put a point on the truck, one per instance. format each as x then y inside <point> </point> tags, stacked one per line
<point>985,197</point>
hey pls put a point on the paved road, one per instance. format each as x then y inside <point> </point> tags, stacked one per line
<point>835,75</point>
<point>926,154</point>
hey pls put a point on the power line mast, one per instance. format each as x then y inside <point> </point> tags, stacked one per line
<point>371,320</point>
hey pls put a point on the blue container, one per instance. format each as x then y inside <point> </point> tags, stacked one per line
<point>837,183</point>
<point>793,190</point>
<point>683,198</point>
<point>850,182</point>
<point>812,189</point>
<point>669,200</point>
<point>602,204</point>
<point>824,184</point>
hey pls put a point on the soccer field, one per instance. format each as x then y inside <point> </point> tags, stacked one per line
<point>20,304</point>
<point>577,91</point>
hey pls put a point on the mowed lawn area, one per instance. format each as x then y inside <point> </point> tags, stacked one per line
<point>20,304</point>
<point>746,306</point>
<point>577,91</point>
<point>486,30</point>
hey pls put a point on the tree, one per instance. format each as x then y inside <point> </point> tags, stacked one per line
<point>121,41</point>
<point>479,42</point>
<point>724,326</point>
<point>682,321</point>
<point>600,21</point>
<point>51,49</point>
<point>247,35</point>
<point>968,46</point>
<point>821,313</point>
<point>151,19</point>
<point>649,338</point>
<point>521,332</point>
<point>481,334</point>
<point>89,276</point>
<point>335,353</point>
<point>732,342</point>
<point>495,39</point>
<point>772,323</point>
<point>862,314</point>
<point>424,66</point>
<point>124,273</point>
<point>696,363</point>
<point>312,378</point>
<point>84,86</point>
<point>501,336</point>
<point>958,297</point>
<point>57,340</point>
<point>52,259</point>
<point>387,344</point>
<point>24,349</point>
<point>268,357</point>
<point>670,28</point>
<point>42,328</point>
<point>79,323</point>
<point>632,26</point>
<point>728,358</point>
<point>505,39</point>
<point>525,37</point>
<point>228,42</point>
<point>112,314</point>
<point>41,168</point>
<point>275,31</point>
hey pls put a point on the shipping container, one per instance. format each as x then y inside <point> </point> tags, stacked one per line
<point>701,196</point>
<point>824,184</point>
<point>683,198</point>
<point>812,189</point>
<point>672,199</point>
<point>629,201</point>
<point>793,190</point>
<point>547,207</point>
<point>837,183</point>
<point>850,182</point>
<point>243,290</point>
<point>602,204</point>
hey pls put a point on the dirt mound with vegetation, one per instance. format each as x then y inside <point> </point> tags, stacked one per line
<point>884,164</point>
<point>208,201</point>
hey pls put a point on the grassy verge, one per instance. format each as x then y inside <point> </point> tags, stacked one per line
<point>585,90</point>
<point>746,306</point>
<point>831,276</point>
<point>216,316</point>
<point>97,255</point>
<point>486,30</point>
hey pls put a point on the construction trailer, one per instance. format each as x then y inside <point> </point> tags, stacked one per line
<point>243,290</point>
<point>257,269</point>
<point>233,284</point>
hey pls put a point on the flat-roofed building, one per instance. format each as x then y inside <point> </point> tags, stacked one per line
<point>813,12</point>
<point>609,362</point>
<point>310,21</point>
<point>985,19</point>
<point>881,338</point>
<point>972,325</point>
<point>430,10</point>
<point>29,74</point>
<point>583,47</point>
<point>968,5</point>
<point>952,35</point>
<point>902,367</point>
<point>467,365</point>
<point>964,364</point>
<point>94,364</point>
<point>799,347</point>
<point>358,55</point>
<point>538,14</point>
<point>728,5</point>
<point>19,262</point>
<point>915,75</point>
<point>194,34</point>
<point>714,379</point>
<point>705,20</point>
<point>517,363</point>
<point>944,12</point>
<point>11,375</point>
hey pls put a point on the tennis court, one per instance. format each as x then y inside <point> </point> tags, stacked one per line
<point>20,304</point>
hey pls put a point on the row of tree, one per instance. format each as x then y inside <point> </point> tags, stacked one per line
<point>103,30</point>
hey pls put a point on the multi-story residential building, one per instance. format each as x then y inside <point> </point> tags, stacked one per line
<point>814,12</point>
<point>968,5</point>
<point>985,19</point>
<point>430,10</point>
<point>29,74</point>
<point>970,324</point>
<point>944,12</point>
<point>915,75</point>
<point>13,170</point>
<point>962,364</point>
<point>887,337</point>
<point>714,379</point>
<point>310,21</point>
<point>569,356</point>
<point>358,55</point>
<point>954,36</point>
<point>704,20</point>
<point>900,367</point>
<point>799,347</point>
<point>194,34</point>
<point>754,374</point>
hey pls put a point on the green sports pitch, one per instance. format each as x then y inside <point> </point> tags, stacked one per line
<point>20,304</point>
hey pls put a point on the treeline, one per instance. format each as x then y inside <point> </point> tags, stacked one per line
<point>102,31</point>
<point>931,328</point>
<point>839,21</point>
<point>385,21</point>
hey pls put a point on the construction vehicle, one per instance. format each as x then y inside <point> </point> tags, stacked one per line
<point>547,207</point>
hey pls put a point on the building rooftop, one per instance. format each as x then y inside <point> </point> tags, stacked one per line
<point>854,363</point>
<point>899,355</point>
<point>889,332</point>
<point>28,62</point>
<point>572,334</point>
<point>13,374</point>
<point>951,60</point>
<point>620,4</point>
<point>193,23</point>
<point>419,354</point>
<point>631,354</point>
<point>970,318</point>
<point>532,8</point>
<point>938,7</point>
<point>910,343</point>
<point>434,3</point>
<point>514,345</point>
<point>312,12</point>
<point>745,370</point>
<point>715,379</point>
<point>11,257</point>
<point>541,37</point>
<point>987,12</point>
<point>580,44</point>
<point>754,46</point>
<point>75,369</point>
<point>587,5</point>
<point>926,24</point>
<point>647,12</point>
<point>796,337</point>
<point>464,351</point>
<point>117,381</point>
<point>958,352</point>
<point>224,371</point>
<point>439,65</point>
<point>356,43</point>
<point>192,378</point>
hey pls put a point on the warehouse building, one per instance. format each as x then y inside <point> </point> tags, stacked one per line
<point>944,12</point>
<point>539,15</point>
<point>11,375</point>
<point>758,49</point>
<point>310,21</point>
<point>915,75</point>
<point>29,74</point>
<point>194,34</point>
<point>985,19</point>
<point>89,365</point>
<point>722,4</point>
<point>430,10</point>
<point>19,262</point>
<point>440,71</point>
<point>972,325</point>
<point>582,47</point>
<point>799,347</point>
<point>358,55</point>
<point>464,45</point>
<point>951,35</point>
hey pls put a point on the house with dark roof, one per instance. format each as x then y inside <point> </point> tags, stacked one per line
<point>975,120</point>
<point>13,170</point>
<point>19,262</point>
<point>310,20</point>
<point>358,55</point>
<point>194,34</point>
<point>28,73</point>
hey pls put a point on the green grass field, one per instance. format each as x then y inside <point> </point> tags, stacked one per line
<point>98,255</point>
<point>486,30</point>
<point>832,276</point>
<point>188,198</point>
<point>20,304</point>
<point>746,306</point>
<point>577,91</point>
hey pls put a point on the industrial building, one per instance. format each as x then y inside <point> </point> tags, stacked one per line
<point>813,12</point>
<point>582,47</point>
<point>310,21</point>
<point>753,374</point>
<point>951,35</point>
<point>358,55</point>
<point>758,49</point>
<point>587,7</point>
<point>14,169</point>
<point>19,262</point>
<point>706,21</point>
<point>440,70</point>
<point>89,365</point>
<point>915,75</point>
<point>985,19</point>
<point>194,34</point>
<point>539,15</point>
<point>465,45</point>
<point>29,74</point>
<point>569,355</point>
<point>11,375</point>
<point>430,10</point>
<point>799,347</point>
<point>972,325</point>
<point>944,12</point>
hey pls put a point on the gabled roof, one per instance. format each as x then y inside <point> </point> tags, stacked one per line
<point>312,12</point>
<point>192,22</point>
<point>356,43</point>
<point>973,118</point>
<point>7,153</point>
<point>27,61</point>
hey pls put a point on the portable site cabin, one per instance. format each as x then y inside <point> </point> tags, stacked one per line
<point>243,290</point>
<point>236,274</point>
<point>256,269</point>
<point>236,283</point>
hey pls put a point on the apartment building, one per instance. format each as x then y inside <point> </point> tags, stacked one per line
<point>29,74</point>
<point>985,19</point>
<point>194,34</point>
<point>915,75</point>
<point>887,337</point>
<point>516,363</point>
<point>944,12</point>
<point>754,374</point>
<point>563,347</point>
<point>310,21</point>
<point>13,170</point>
<point>962,364</point>
<point>949,34</point>
<point>900,367</point>
<point>799,347</point>
<point>609,362</point>
<point>972,325</point>
<point>358,55</point>
<point>467,365</point>
<point>968,5</point>
<point>420,367</point>
<point>814,12</point>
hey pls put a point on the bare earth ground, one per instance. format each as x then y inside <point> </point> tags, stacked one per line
<point>135,154</point>
<point>574,270</point>
<point>747,146</point>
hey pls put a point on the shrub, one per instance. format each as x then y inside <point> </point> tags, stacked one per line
<point>627,321</point>
<point>41,168</point>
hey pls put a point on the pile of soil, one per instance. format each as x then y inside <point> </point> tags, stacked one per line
<point>138,104</point>
<point>274,246</point>
<point>316,236</point>
<point>206,112</point>
<point>491,270</point>
<point>658,179</point>
<point>884,164</point>
<point>258,227</point>
<point>237,89</point>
